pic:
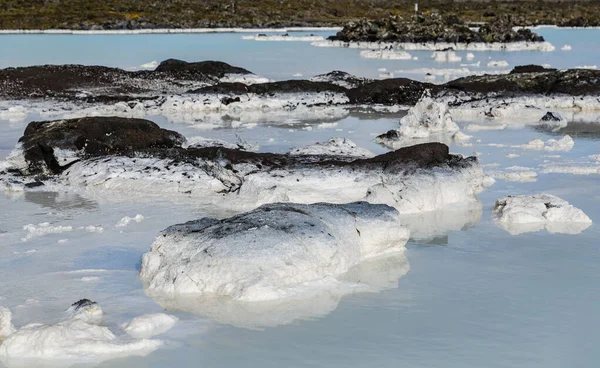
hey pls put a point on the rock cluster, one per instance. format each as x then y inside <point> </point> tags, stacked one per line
<point>433,28</point>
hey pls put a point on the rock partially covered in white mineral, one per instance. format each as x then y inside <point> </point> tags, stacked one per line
<point>274,252</point>
<point>526,213</point>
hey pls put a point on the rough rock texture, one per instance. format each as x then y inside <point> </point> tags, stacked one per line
<point>531,68</point>
<point>433,28</point>
<point>574,82</point>
<point>277,251</point>
<point>74,81</point>
<point>192,87</point>
<point>45,143</point>
<point>90,137</point>
<point>400,91</point>
<point>341,78</point>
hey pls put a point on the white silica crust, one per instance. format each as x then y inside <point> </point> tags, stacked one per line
<point>446,57</point>
<point>564,144</point>
<point>334,147</point>
<point>373,275</point>
<point>264,37</point>
<point>427,118</point>
<point>528,110</point>
<point>385,54</point>
<point>148,325</point>
<point>526,213</point>
<point>242,187</point>
<point>214,110</point>
<point>6,326</point>
<point>80,338</point>
<point>433,46</point>
<point>277,251</point>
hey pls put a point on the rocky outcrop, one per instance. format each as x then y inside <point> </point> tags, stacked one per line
<point>573,82</point>
<point>401,91</point>
<point>51,146</point>
<point>79,153</point>
<point>276,251</point>
<point>433,28</point>
<point>76,81</point>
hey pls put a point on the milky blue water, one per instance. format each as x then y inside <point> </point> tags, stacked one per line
<point>479,297</point>
<point>276,60</point>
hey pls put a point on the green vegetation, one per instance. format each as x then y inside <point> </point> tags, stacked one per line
<point>116,14</point>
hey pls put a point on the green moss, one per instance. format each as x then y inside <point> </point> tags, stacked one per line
<point>34,14</point>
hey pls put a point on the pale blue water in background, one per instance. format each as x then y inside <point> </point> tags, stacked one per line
<point>480,298</point>
<point>276,60</point>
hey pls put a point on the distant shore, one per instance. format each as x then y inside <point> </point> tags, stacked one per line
<point>165,16</point>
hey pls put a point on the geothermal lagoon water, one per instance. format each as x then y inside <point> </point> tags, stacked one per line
<point>466,292</point>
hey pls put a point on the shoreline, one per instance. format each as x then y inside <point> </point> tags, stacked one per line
<point>166,30</point>
<point>143,31</point>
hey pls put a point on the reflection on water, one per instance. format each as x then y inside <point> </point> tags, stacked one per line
<point>434,226</point>
<point>370,276</point>
<point>61,201</point>
<point>577,130</point>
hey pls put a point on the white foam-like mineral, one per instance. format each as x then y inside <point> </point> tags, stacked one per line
<point>148,325</point>
<point>334,147</point>
<point>385,54</point>
<point>433,46</point>
<point>79,338</point>
<point>277,251</point>
<point>564,144</point>
<point>446,57</point>
<point>427,118</point>
<point>526,213</point>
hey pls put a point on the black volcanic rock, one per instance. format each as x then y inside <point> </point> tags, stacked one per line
<point>433,28</point>
<point>75,81</point>
<point>531,69</point>
<point>90,137</point>
<point>396,91</point>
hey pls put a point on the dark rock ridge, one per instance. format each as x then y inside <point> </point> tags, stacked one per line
<point>69,81</point>
<point>100,137</point>
<point>108,85</point>
<point>573,82</point>
<point>433,28</point>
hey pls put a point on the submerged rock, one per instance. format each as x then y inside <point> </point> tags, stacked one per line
<point>278,251</point>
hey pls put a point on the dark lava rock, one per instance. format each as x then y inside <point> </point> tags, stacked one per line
<point>531,69</point>
<point>69,81</point>
<point>433,28</point>
<point>81,304</point>
<point>97,138</point>
<point>212,68</point>
<point>573,82</point>
<point>289,86</point>
<point>90,137</point>
<point>551,116</point>
<point>400,91</point>
<point>341,79</point>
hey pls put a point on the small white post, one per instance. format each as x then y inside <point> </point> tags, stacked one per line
<point>416,9</point>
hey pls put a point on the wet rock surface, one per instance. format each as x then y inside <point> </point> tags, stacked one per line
<point>433,28</point>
